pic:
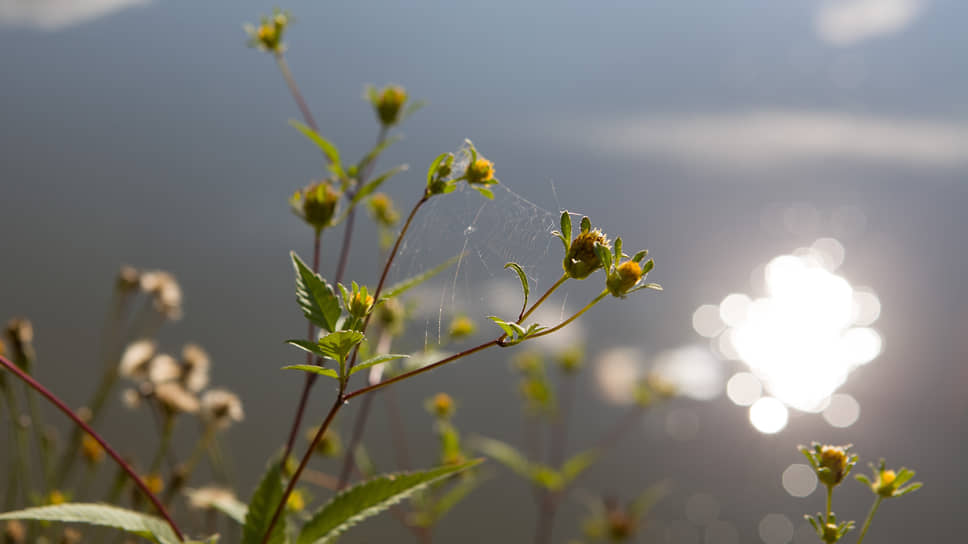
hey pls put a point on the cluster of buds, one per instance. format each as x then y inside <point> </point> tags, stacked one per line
<point>443,407</point>
<point>268,35</point>
<point>316,204</point>
<point>476,170</point>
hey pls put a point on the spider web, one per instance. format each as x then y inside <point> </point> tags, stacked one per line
<point>484,235</point>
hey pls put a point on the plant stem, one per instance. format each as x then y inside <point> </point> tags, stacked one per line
<point>114,455</point>
<point>294,90</point>
<point>21,441</point>
<point>524,315</point>
<point>544,525</point>
<point>559,429</point>
<point>564,323</point>
<point>310,377</point>
<point>870,517</point>
<point>355,438</point>
<point>340,400</point>
<point>166,431</point>
<point>344,251</point>
<point>830,497</point>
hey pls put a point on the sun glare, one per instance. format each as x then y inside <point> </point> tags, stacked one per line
<point>800,341</point>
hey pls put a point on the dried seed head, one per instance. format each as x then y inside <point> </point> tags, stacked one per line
<point>221,408</point>
<point>581,259</point>
<point>389,104</point>
<point>129,279</point>
<point>195,368</point>
<point>163,368</point>
<point>135,359</point>
<point>206,498</point>
<point>176,399</point>
<point>164,289</point>
<point>131,398</point>
<point>91,449</point>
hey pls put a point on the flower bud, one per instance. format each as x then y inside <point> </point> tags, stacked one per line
<point>268,35</point>
<point>389,104</point>
<point>884,485</point>
<point>91,449</point>
<point>382,210</point>
<point>441,406</point>
<point>360,304</point>
<point>835,459</point>
<point>391,314</point>
<point>329,445</point>
<point>461,327</point>
<point>625,277</point>
<point>479,171</point>
<point>581,259</point>
<point>316,204</point>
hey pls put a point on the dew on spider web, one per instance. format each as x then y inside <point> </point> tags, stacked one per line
<point>484,235</point>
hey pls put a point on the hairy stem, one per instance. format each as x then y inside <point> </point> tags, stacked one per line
<point>870,517</point>
<point>114,455</point>
<point>524,315</point>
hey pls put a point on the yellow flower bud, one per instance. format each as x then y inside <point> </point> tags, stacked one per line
<point>441,405</point>
<point>479,171</point>
<point>389,103</point>
<point>155,483</point>
<point>317,204</point>
<point>382,210</point>
<point>461,327</point>
<point>835,459</point>
<point>56,497</point>
<point>296,501</point>
<point>91,449</point>
<point>581,259</point>
<point>626,276</point>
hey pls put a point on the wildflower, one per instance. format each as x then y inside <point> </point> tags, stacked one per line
<point>176,399</point>
<point>296,501</point>
<point>316,204</point>
<point>129,279</point>
<point>221,407</point>
<point>359,302</point>
<point>828,529</point>
<point>461,327</point>
<point>382,209</point>
<point>135,359</point>
<point>888,483</point>
<point>581,257</point>
<point>441,405</point>
<point>330,445</point>
<point>388,103</point>
<point>268,35</point>
<point>91,449</point>
<point>56,497</point>
<point>163,368</point>
<point>195,367</point>
<point>480,171</point>
<point>207,498</point>
<point>831,463</point>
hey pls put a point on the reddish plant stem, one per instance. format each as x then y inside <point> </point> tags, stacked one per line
<point>110,451</point>
<point>357,436</point>
<point>294,91</point>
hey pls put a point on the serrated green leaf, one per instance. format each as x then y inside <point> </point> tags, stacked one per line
<point>505,454</point>
<point>398,288</point>
<point>521,276</point>
<point>261,507</point>
<point>367,499</point>
<point>104,515</point>
<point>566,228</point>
<point>316,297</point>
<point>327,147</point>
<point>577,464</point>
<point>336,345</point>
<point>315,369</point>
<point>377,360</point>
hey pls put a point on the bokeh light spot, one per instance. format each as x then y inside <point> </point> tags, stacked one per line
<point>744,389</point>
<point>706,321</point>
<point>799,480</point>
<point>733,308</point>
<point>776,529</point>
<point>693,370</point>
<point>768,415</point>
<point>843,411</point>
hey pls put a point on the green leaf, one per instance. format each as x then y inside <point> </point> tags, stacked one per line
<point>373,185</point>
<point>315,369</point>
<point>640,255</point>
<point>604,256</point>
<point>586,224</point>
<point>398,288</point>
<point>376,151</point>
<point>261,507</point>
<point>230,506</point>
<point>505,326</point>
<point>104,515</point>
<point>648,266</point>
<point>488,194</point>
<point>411,109</point>
<point>327,147</point>
<point>377,360</point>
<point>367,499</point>
<point>521,276</point>
<point>618,249</point>
<point>433,167</point>
<point>505,454</point>
<point>577,464</point>
<point>336,345</point>
<point>316,297</point>
<point>566,228</point>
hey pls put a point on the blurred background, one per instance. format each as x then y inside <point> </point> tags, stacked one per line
<point>796,169</point>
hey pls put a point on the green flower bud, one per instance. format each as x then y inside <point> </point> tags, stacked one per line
<point>382,209</point>
<point>390,314</point>
<point>268,35</point>
<point>625,277</point>
<point>360,304</point>
<point>835,460</point>
<point>389,103</point>
<point>479,171</point>
<point>329,445</point>
<point>461,327</point>
<point>317,204</point>
<point>581,259</point>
